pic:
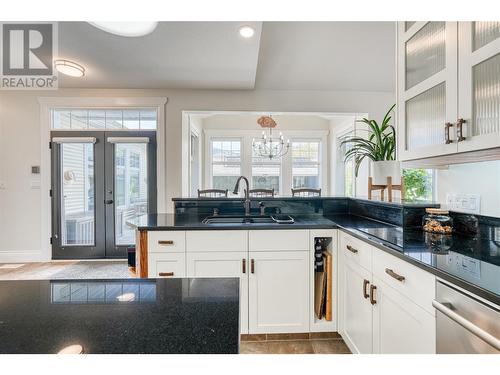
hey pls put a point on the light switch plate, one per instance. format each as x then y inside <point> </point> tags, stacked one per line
<point>470,203</point>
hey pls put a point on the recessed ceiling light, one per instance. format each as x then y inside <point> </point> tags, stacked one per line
<point>247,31</point>
<point>69,68</point>
<point>129,29</point>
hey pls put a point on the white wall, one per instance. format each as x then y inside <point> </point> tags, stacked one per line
<point>474,178</point>
<point>20,206</point>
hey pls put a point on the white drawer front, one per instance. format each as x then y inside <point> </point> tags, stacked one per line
<point>413,282</point>
<point>357,250</point>
<point>216,240</point>
<point>167,265</point>
<point>278,240</point>
<point>166,241</point>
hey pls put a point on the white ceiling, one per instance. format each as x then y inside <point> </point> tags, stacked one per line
<point>352,56</point>
<point>176,55</point>
<point>343,56</point>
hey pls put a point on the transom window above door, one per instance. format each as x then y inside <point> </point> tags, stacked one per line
<point>104,119</point>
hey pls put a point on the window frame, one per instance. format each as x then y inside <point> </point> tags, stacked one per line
<point>246,136</point>
<point>320,163</point>
<point>209,163</point>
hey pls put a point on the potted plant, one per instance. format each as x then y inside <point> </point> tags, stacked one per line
<point>379,146</point>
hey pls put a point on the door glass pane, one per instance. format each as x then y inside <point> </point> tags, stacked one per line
<point>114,119</point>
<point>131,119</point>
<point>131,188</point>
<point>425,118</point>
<point>425,53</point>
<point>97,119</point>
<point>486,97</point>
<point>484,33</point>
<point>61,119</point>
<point>148,119</point>
<point>79,119</point>
<point>77,189</point>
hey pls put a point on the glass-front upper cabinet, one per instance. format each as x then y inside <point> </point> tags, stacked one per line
<point>427,89</point>
<point>479,85</point>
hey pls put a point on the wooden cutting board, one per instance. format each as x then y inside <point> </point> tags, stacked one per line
<point>319,293</point>
<point>327,258</point>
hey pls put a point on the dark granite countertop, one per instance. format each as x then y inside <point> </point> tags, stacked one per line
<point>120,316</point>
<point>470,262</point>
<point>395,203</point>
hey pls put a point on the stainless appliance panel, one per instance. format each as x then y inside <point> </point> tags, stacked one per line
<point>465,325</point>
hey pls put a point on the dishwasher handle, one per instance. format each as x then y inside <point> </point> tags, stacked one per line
<point>472,328</point>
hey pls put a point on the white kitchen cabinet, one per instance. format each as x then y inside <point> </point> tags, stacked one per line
<point>479,85</point>
<point>386,308</point>
<point>166,265</point>
<point>448,88</point>
<point>356,310</point>
<point>400,326</point>
<point>427,88</point>
<point>223,264</point>
<point>279,291</point>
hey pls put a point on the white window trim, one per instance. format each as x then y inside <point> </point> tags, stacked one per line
<point>208,157</point>
<point>246,137</point>
<point>47,104</point>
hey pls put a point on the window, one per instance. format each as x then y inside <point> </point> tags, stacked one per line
<point>418,184</point>
<point>226,162</point>
<point>306,164</point>
<point>266,173</point>
<point>104,119</point>
<point>135,160</point>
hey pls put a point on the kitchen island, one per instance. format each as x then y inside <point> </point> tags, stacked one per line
<point>129,316</point>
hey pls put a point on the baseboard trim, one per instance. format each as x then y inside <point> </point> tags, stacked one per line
<point>20,256</point>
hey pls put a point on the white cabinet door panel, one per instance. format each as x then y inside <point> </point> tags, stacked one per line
<point>223,264</point>
<point>279,292</point>
<point>399,325</point>
<point>356,309</point>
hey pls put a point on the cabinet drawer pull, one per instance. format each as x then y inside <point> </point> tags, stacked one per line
<point>460,130</point>
<point>365,284</point>
<point>165,242</point>
<point>352,249</point>
<point>373,301</point>
<point>447,127</point>
<point>244,265</point>
<point>165,274</point>
<point>252,266</point>
<point>394,275</point>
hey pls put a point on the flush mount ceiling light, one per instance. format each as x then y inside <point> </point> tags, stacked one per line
<point>246,32</point>
<point>69,68</point>
<point>128,29</point>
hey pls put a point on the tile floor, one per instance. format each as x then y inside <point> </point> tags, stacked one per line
<point>294,344</point>
<point>65,269</point>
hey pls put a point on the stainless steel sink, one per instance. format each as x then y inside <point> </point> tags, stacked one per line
<point>246,220</point>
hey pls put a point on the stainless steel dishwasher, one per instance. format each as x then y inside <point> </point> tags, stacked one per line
<point>464,324</point>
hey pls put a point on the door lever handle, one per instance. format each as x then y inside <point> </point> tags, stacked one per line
<point>108,201</point>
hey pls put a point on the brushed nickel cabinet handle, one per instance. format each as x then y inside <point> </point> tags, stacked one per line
<point>447,127</point>
<point>252,266</point>
<point>165,242</point>
<point>365,284</point>
<point>394,275</point>
<point>165,274</point>
<point>244,265</point>
<point>373,288</point>
<point>460,130</point>
<point>352,249</point>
